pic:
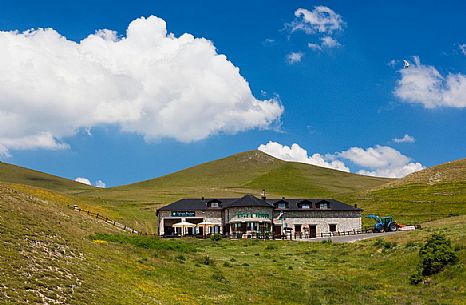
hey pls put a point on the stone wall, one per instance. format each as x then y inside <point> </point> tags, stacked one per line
<point>322,223</point>
<point>214,216</point>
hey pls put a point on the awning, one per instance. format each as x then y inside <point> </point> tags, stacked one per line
<point>207,224</point>
<point>183,224</point>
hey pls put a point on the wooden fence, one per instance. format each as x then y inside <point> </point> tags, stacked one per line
<point>108,220</point>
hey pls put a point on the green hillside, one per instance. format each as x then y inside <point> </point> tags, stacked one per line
<point>247,172</point>
<point>433,193</point>
<point>50,254</point>
<point>10,173</point>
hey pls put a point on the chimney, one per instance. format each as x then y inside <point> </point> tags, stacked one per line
<point>263,194</point>
<point>355,205</point>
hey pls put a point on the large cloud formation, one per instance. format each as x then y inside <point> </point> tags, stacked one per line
<point>381,161</point>
<point>425,85</point>
<point>296,153</point>
<point>149,82</point>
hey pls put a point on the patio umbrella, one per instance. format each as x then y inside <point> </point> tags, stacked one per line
<point>206,224</point>
<point>183,225</point>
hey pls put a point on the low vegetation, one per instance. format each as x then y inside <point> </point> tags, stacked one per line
<point>51,253</point>
<point>434,256</point>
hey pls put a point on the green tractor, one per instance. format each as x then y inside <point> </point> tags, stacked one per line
<point>383,224</point>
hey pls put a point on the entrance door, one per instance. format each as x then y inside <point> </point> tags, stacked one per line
<point>277,231</point>
<point>312,232</point>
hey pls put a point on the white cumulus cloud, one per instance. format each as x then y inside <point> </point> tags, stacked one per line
<point>100,183</point>
<point>425,85</point>
<point>148,82</point>
<point>322,22</point>
<point>83,180</point>
<point>380,161</point>
<point>296,153</point>
<point>405,139</point>
<point>294,57</point>
<point>321,19</point>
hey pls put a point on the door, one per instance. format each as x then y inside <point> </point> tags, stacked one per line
<point>297,231</point>
<point>277,231</point>
<point>312,232</point>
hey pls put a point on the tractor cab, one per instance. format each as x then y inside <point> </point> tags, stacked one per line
<point>383,224</point>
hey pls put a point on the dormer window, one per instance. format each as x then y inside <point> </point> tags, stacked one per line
<point>214,203</point>
<point>305,206</point>
<point>323,205</point>
<point>281,205</point>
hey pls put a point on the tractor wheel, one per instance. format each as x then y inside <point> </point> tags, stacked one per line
<point>393,227</point>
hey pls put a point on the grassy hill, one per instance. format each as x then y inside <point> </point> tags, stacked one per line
<point>51,254</point>
<point>10,173</point>
<point>247,172</point>
<point>429,194</point>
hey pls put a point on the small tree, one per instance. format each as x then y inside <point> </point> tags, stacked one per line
<point>435,255</point>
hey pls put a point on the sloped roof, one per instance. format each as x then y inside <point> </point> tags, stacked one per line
<point>199,204</point>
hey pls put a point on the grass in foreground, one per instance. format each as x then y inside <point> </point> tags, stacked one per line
<point>50,253</point>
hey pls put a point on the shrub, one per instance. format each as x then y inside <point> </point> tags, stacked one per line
<point>270,247</point>
<point>232,259</point>
<point>245,264</point>
<point>216,237</point>
<point>435,255</point>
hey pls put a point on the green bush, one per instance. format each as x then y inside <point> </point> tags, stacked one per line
<point>216,237</point>
<point>435,255</point>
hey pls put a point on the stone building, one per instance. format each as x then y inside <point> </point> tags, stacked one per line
<point>252,217</point>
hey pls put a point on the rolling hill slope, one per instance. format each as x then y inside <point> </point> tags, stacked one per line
<point>433,193</point>
<point>50,254</point>
<point>247,172</point>
<point>10,173</point>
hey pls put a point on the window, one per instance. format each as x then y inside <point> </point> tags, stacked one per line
<point>305,206</point>
<point>214,204</point>
<point>332,227</point>
<point>323,205</point>
<point>281,205</point>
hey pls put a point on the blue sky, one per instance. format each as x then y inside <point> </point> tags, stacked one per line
<point>345,101</point>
